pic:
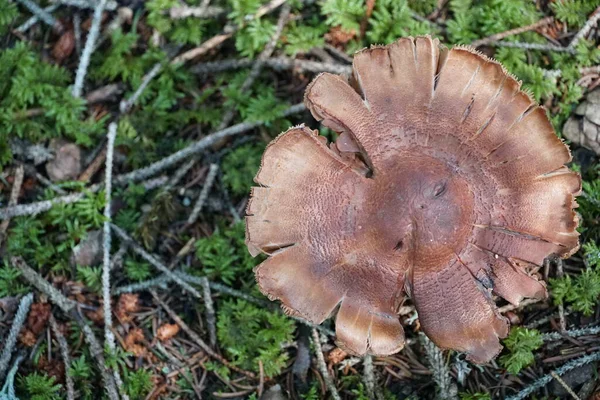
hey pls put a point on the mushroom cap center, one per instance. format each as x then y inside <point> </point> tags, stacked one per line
<point>422,209</point>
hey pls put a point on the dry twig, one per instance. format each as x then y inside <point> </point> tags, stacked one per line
<point>64,352</point>
<point>208,183</point>
<point>210,312</point>
<point>592,21</point>
<point>194,336</point>
<point>511,32</point>
<point>43,15</point>
<point>11,340</point>
<point>88,49</point>
<point>14,198</point>
<point>109,338</point>
<point>154,261</point>
<point>323,367</point>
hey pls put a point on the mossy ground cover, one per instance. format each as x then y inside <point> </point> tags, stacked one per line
<point>185,102</point>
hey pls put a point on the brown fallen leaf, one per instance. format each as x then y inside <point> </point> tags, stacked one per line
<point>336,356</point>
<point>27,338</point>
<point>38,317</point>
<point>167,332</point>
<point>64,46</point>
<point>127,305</point>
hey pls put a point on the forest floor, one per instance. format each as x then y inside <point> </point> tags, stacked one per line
<point>130,133</point>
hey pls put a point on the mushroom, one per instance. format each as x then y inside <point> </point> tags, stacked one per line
<point>447,185</point>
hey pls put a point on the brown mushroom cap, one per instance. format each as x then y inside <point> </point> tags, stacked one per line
<point>447,184</point>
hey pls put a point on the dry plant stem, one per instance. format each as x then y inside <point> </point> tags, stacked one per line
<point>276,63</point>
<point>14,198</point>
<point>534,46</point>
<point>591,23</point>
<point>33,20</point>
<point>323,367</point>
<point>146,172</point>
<point>544,380</point>
<point>202,49</point>
<point>94,166</point>
<point>210,312</point>
<point>203,345</point>
<point>64,352</point>
<point>109,338</point>
<point>441,374</point>
<point>43,15</point>
<point>90,44</point>
<point>126,105</point>
<point>208,183</point>
<point>67,306</point>
<point>511,32</point>
<point>11,340</point>
<point>154,261</point>
<point>522,304</point>
<point>564,385</point>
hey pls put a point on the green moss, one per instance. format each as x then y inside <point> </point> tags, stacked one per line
<point>249,334</point>
<point>520,343</point>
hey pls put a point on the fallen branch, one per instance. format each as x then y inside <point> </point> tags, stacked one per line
<point>534,46</point>
<point>276,63</point>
